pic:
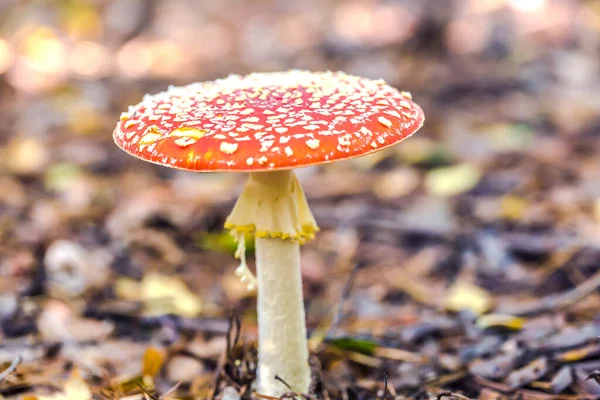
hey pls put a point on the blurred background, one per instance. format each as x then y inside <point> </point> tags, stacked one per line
<point>109,264</point>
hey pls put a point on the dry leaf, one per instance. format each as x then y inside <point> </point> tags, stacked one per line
<point>582,353</point>
<point>451,181</point>
<point>397,183</point>
<point>529,373</point>
<point>466,296</point>
<point>161,294</point>
<point>597,210</point>
<point>75,389</point>
<point>153,361</point>
<point>501,321</point>
<point>513,207</point>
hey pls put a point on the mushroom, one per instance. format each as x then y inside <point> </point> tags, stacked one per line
<point>267,124</point>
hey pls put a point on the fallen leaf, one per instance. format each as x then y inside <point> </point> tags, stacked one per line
<point>60,176</point>
<point>495,368</point>
<point>466,296</point>
<point>572,337</point>
<point>362,346</point>
<point>451,181</point>
<point>529,373</point>
<point>75,389</point>
<point>161,294</point>
<point>396,183</point>
<point>489,394</point>
<point>224,242</point>
<point>153,361</point>
<point>589,351</point>
<point>59,322</point>
<point>595,375</point>
<point>25,156</point>
<point>562,380</point>
<point>423,151</point>
<point>513,207</point>
<point>392,353</point>
<point>503,321</point>
<point>183,369</point>
<point>597,210</point>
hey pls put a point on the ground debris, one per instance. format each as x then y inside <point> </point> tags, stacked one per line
<point>463,263</point>
<point>497,367</point>
<point>532,371</point>
<point>562,380</point>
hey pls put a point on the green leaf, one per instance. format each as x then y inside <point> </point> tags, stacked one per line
<point>362,346</point>
<point>224,242</point>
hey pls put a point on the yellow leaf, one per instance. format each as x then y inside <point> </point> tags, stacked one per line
<point>225,242</point>
<point>161,295</point>
<point>80,19</point>
<point>153,361</point>
<point>579,354</point>
<point>128,289</point>
<point>501,321</point>
<point>451,181</point>
<point>466,296</point>
<point>512,207</point>
<point>75,389</point>
<point>126,385</point>
<point>597,210</point>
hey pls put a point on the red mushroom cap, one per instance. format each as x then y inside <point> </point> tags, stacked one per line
<point>267,121</point>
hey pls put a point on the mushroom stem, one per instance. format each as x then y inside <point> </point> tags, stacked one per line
<point>282,344</point>
<point>273,207</point>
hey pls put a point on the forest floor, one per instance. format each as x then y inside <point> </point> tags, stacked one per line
<point>463,263</point>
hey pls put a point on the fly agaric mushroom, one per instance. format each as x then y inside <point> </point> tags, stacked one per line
<point>267,124</point>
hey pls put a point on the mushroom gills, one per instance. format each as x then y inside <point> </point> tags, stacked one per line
<point>272,204</point>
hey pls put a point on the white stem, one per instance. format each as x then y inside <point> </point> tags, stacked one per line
<point>282,344</point>
<point>273,207</point>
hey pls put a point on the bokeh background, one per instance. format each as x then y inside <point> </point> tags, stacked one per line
<point>107,262</point>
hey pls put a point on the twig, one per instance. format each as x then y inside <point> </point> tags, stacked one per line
<point>328,326</point>
<point>265,397</point>
<point>238,329</point>
<point>146,392</point>
<point>214,326</point>
<point>448,393</point>
<point>337,313</point>
<point>278,378</point>
<point>443,394</point>
<point>171,390</point>
<point>11,367</point>
<point>235,325</point>
<point>595,375</point>
<point>235,328</point>
<point>557,301</point>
